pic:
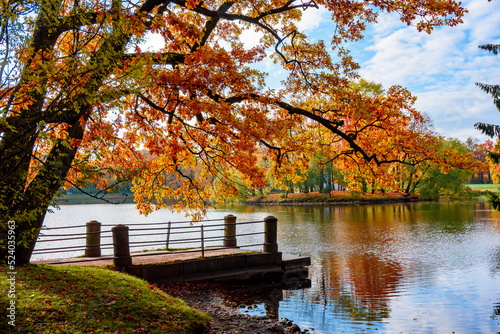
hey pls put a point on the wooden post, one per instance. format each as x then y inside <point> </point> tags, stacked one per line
<point>202,243</point>
<point>93,245</point>
<point>270,234</point>
<point>229,231</point>
<point>121,246</point>
<point>168,234</point>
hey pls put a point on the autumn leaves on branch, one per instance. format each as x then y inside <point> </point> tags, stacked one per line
<point>81,101</point>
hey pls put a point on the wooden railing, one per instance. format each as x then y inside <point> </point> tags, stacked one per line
<point>186,236</point>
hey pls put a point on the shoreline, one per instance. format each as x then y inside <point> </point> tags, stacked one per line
<point>226,317</point>
<point>337,198</point>
<point>357,202</point>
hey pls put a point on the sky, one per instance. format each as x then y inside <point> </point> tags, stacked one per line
<point>441,69</point>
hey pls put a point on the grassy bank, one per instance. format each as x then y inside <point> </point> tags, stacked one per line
<point>483,188</point>
<point>335,197</point>
<point>85,299</point>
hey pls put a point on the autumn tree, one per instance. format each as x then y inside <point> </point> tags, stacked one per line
<point>386,123</point>
<point>81,100</point>
<point>471,144</point>
<point>435,183</point>
<point>480,152</point>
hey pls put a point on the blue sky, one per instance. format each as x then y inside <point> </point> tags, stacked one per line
<point>441,69</point>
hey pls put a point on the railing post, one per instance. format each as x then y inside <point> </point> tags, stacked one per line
<point>202,243</point>
<point>229,231</point>
<point>270,234</point>
<point>93,246</point>
<point>168,234</point>
<point>121,246</point>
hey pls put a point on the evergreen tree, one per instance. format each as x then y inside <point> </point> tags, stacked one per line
<point>491,130</point>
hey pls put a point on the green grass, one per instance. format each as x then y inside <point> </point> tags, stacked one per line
<point>86,299</point>
<point>495,188</point>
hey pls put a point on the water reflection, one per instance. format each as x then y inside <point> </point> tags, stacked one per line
<point>411,268</point>
<point>260,299</point>
<point>423,267</point>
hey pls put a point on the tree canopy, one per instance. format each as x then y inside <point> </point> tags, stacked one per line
<point>82,102</point>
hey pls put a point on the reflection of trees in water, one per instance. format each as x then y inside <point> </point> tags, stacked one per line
<point>349,303</point>
<point>356,280</point>
<point>361,255</point>
<point>358,286</point>
<point>269,294</point>
<point>373,280</point>
<point>249,295</point>
<point>366,286</point>
<point>368,280</point>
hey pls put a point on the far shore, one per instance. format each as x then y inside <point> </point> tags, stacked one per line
<point>311,198</point>
<point>334,198</point>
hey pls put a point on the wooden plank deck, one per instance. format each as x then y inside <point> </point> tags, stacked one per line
<point>146,257</point>
<point>220,264</point>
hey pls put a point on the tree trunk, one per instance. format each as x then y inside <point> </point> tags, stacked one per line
<point>23,253</point>
<point>16,149</point>
<point>24,201</point>
<point>408,187</point>
<point>29,210</point>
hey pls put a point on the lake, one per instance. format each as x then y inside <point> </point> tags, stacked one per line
<point>391,268</point>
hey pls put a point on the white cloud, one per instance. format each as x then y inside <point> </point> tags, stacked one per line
<point>312,18</point>
<point>152,43</point>
<point>455,111</point>
<point>250,38</point>
<point>482,20</point>
<point>441,68</point>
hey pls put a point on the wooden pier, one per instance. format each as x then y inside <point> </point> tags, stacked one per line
<point>217,265</point>
<point>223,263</point>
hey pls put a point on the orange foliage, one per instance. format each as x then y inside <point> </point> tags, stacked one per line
<point>197,108</point>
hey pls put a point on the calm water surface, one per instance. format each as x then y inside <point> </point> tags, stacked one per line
<point>395,268</point>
